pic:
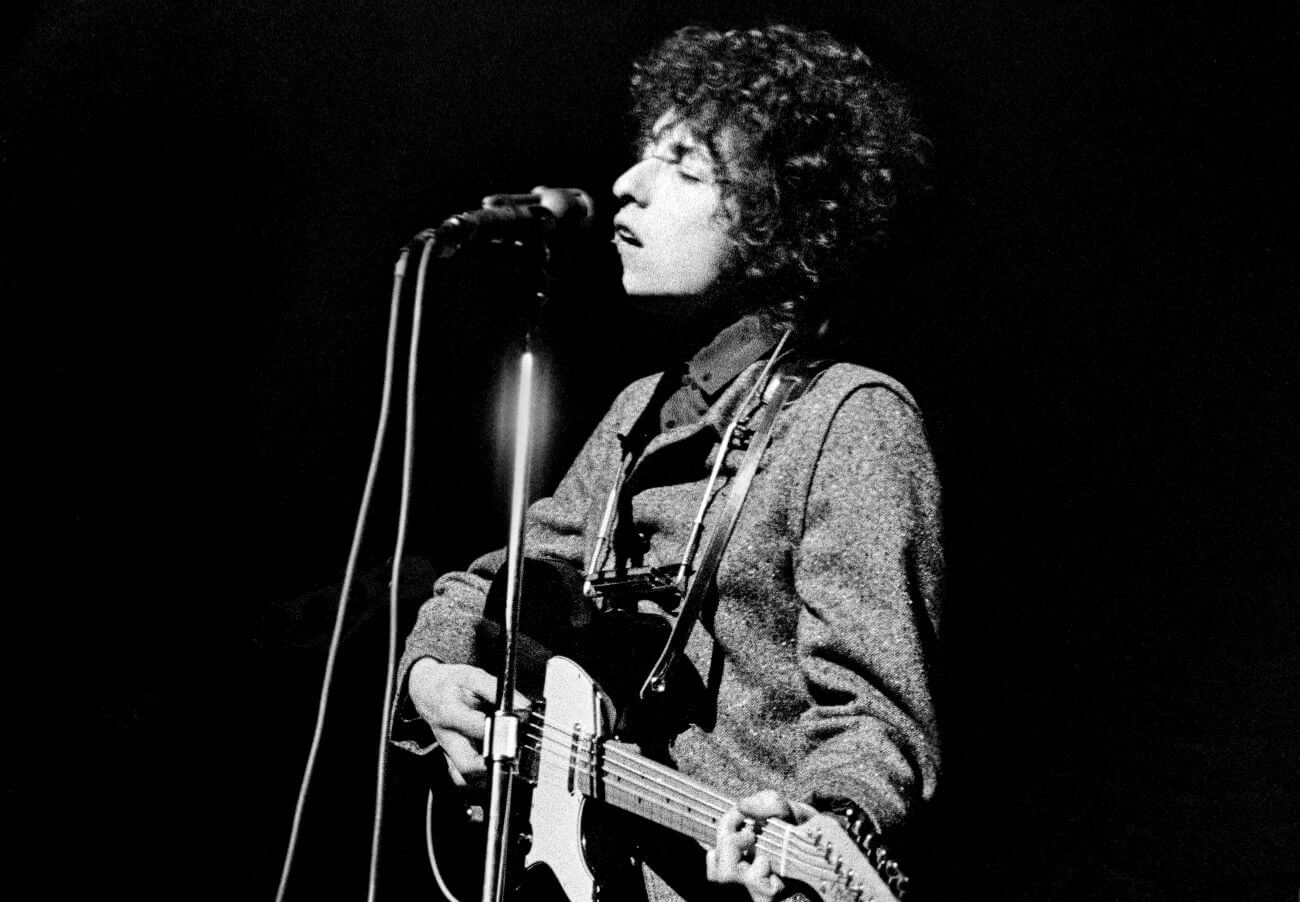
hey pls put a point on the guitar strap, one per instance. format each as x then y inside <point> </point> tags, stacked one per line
<point>792,376</point>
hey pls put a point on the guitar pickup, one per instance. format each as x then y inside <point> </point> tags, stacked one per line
<point>623,589</point>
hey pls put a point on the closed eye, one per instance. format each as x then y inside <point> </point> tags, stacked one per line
<point>684,160</point>
<point>684,172</point>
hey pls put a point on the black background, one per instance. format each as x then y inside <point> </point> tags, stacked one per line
<point>203,205</point>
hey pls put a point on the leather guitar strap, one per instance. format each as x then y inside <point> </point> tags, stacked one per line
<point>786,384</point>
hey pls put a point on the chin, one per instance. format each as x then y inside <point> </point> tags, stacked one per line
<point>652,285</point>
<point>645,288</point>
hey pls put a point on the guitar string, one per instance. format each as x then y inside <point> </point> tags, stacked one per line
<point>636,767</point>
<point>806,863</point>
<point>561,750</point>
<point>641,768</point>
<point>652,770</point>
<point>798,849</point>
<point>560,744</point>
<point>799,863</point>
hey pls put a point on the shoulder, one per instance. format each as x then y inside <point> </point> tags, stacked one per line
<point>855,424</point>
<point>857,443</point>
<point>847,392</point>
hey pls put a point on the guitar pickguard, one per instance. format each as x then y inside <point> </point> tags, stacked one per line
<point>568,838</point>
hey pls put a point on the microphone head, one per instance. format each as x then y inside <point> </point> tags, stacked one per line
<point>571,207</point>
<point>541,213</point>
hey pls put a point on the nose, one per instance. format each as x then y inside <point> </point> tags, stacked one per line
<point>634,184</point>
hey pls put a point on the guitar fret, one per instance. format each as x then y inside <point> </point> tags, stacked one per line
<point>642,787</point>
<point>819,853</point>
<point>661,811</point>
<point>679,812</point>
<point>692,808</point>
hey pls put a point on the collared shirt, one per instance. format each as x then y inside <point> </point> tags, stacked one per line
<point>715,366</point>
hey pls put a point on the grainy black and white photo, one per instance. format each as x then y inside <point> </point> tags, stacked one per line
<point>606,450</point>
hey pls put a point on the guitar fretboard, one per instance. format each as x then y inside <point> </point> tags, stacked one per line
<point>663,796</point>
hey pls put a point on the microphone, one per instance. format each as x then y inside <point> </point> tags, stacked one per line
<point>542,213</point>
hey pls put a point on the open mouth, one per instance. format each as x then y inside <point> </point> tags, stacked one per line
<point>624,235</point>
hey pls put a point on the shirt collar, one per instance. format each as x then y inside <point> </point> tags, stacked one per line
<point>731,351</point>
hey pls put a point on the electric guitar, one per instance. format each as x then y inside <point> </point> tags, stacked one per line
<point>570,769</point>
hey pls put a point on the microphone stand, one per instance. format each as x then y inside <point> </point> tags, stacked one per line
<point>501,739</point>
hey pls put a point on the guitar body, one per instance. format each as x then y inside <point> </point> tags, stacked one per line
<point>571,845</point>
<point>577,793</point>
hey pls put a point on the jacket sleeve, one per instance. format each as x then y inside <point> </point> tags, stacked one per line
<point>556,530</point>
<point>868,571</point>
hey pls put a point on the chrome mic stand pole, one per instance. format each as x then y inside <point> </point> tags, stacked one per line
<point>501,739</point>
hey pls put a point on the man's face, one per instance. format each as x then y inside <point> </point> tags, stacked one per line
<point>672,230</point>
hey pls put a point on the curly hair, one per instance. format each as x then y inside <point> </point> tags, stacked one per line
<point>829,148</point>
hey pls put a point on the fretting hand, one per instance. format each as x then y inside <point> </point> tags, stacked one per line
<point>736,857</point>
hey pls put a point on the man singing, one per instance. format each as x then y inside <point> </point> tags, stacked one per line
<point>773,164</point>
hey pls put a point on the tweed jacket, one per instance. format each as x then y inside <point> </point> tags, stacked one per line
<point>818,654</point>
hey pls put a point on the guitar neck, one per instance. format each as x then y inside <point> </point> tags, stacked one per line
<point>558,755</point>
<point>666,797</point>
<point>658,794</point>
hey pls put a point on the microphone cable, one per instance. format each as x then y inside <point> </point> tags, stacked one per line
<point>431,852</point>
<point>381,432</point>
<point>399,549</point>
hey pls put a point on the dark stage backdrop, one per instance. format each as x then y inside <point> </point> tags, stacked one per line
<point>203,203</point>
